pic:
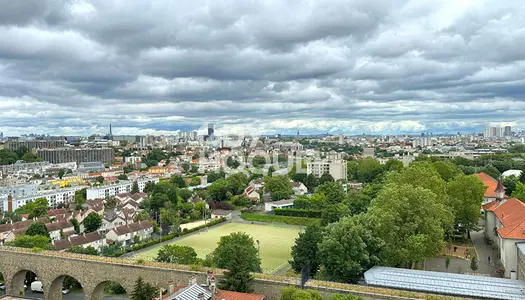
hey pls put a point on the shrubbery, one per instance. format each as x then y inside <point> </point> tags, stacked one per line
<point>291,212</point>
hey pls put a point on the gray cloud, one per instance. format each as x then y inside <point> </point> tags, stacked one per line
<point>73,67</point>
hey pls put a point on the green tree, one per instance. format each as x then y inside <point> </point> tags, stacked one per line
<point>135,187</point>
<point>92,222</point>
<point>7,157</point>
<point>279,187</point>
<point>491,171</point>
<point>122,177</point>
<point>306,248</point>
<point>99,179</point>
<point>368,169</point>
<point>300,177</point>
<point>348,249</point>
<point>238,254</point>
<point>219,189</point>
<point>333,191</point>
<point>143,290</point>
<point>31,241</point>
<point>176,254</point>
<point>30,157</point>
<point>351,169</point>
<point>185,194</point>
<point>258,161</point>
<point>474,263</point>
<point>326,177</point>
<point>178,180</point>
<point>311,182</point>
<point>466,196</point>
<point>186,166</point>
<point>37,228</point>
<point>61,173</point>
<point>214,176</point>
<point>333,213</point>
<point>293,293</point>
<point>510,184</point>
<point>168,189</point>
<point>446,169</point>
<point>76,226</point>
<point>89,250</point>
<point>271,169</point>
<point>447,261</point>
<point>237,183</point>
<point>80,197</point>
<point>393,165</point>
<point>519,192</point>
<point>35,209</point>
<point>412,222</point>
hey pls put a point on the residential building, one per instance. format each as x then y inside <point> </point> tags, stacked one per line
<point>78,155</point>
<point>35,168</point>
<point>94,239</point>
<point>92,166</point>
<point>21,190</point>
<point>270,206</point>
<point>31,145</point>
<point>336,168</point>
<point>505,226</point>
<point>122,187</point>
<point>54,198</point>
<point>491,184</point>
<point>299,188</point>
<point>221,213</point>
<point>57,229</point>
<point>494,132</point>
<point>127,233</point>
<point>251,193</point>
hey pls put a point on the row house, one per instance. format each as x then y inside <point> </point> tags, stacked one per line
<point>94,239</point>
<point>127,233</point>
<point>57,229</point>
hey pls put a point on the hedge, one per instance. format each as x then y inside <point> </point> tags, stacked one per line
<point>281,219</point>
<point>166,238</point>
<point>292,212</point>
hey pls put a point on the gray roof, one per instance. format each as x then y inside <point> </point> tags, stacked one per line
<point>190,293</point>
<point>446,283</point>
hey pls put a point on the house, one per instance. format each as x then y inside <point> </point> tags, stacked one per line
<point>221,213</point>
<point>56,229</point>
<point>93,239</point>
<point>96,205</point>
<point>257,184</point>
<point>114,219</point>
<point>299,188</point>
<point>195,291</point>
<point>505,226</point>
<point>195,199</point>
<point>251,193</point>
<point>54,213</point>
<point>127,233</point>
<point>491,184</point>
<point>270,206</point>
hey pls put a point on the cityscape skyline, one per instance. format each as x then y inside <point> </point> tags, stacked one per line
<point>407,67</point>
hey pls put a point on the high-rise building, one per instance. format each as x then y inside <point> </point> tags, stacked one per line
<point>494,132</point>
<point>78,155</point>
<point>35,144</point>
<point>508,131</point>
<point>336,168</point>
<point>211,129</point>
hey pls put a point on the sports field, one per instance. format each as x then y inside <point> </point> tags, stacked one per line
<point>275,242</point>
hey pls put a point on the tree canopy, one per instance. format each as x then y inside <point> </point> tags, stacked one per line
<point>305,250</point>
<point>92,222</point>
<point>37,228</point>
<point>177,254</point>
<point>279,187</point>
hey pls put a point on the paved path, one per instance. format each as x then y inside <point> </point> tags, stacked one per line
<point>484,251</point>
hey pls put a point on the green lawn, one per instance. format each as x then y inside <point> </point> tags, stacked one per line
<point>275,242</point>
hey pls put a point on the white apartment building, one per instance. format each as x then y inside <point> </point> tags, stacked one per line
<point>118,188</point>
<point>336,168</point>
<point>21,190</point>
<point>54,197</point>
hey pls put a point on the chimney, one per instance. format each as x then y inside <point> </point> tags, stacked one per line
<point>201,296</point>
<point>171,287</point>
<point>10,203</point>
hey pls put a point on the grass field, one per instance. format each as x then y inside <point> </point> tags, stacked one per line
<point>275,242</point>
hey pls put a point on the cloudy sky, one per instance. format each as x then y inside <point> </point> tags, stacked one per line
<point>351,66</point>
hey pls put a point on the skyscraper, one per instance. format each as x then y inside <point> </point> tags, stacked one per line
<point>211,129</point>
<point>508,131</point>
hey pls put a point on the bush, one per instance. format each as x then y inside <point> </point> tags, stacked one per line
<point>281,219</point>
<point>303,213</point>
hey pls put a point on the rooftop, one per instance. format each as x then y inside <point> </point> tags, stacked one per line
<point>446,283</point>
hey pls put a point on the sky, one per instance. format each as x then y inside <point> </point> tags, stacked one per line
<point>72,67</point>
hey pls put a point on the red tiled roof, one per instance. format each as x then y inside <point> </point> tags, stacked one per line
<point>490,206</point>
<point>56,212</point>
<point>490,183</point>
<point>516,231</point>
<point>510,212</point>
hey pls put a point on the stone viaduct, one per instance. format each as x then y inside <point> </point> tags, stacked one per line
<point>94,272</point>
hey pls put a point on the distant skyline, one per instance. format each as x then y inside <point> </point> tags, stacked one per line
<point>362,66</point>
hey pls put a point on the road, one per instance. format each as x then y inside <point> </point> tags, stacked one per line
<point>71,296</point>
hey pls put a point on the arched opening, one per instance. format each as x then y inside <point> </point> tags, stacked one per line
<point>21,283</point>
<point>110,290</point>
<point>2,284</point>
<point>65,285</point>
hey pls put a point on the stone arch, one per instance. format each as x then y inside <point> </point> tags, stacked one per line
<point>98,291</point>
<point>17,284</point>
<point>54,289</point>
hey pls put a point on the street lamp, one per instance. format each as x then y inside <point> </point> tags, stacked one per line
<point>258,249</point>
